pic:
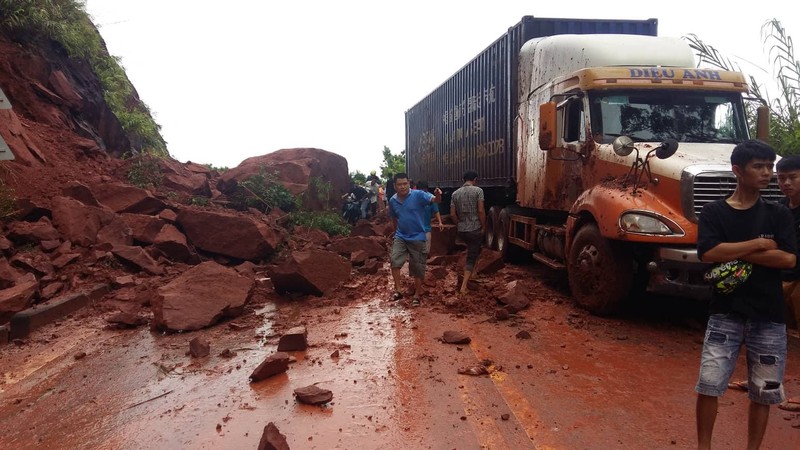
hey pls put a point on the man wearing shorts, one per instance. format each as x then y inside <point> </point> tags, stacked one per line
<point>407,210</point>
<point>745,227</point>
<point>467,210</point>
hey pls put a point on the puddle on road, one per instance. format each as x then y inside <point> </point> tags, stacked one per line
<point>142,391</point>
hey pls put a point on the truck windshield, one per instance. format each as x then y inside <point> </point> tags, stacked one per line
<point>655,115</point>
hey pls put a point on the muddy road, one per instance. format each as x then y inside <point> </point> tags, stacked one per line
<point>558,377</point>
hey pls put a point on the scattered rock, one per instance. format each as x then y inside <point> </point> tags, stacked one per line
<point>312,272</point>
<point>295,339</point>
<point>199,348</point>
<point>349,245</point>
<point>80,355</point>
<point>273,365</point>
<point>272,439</point>
<point>227,353</point>
<point>501,314</point>
<point>484,368</point>
<point>313,395</point>
<point>455,337</point>
<point>515,297</point>
<point>124,319</point>
<point>523,335</point>
<point>228,234</point>
<point>335,354</point>
<point>505,416</point>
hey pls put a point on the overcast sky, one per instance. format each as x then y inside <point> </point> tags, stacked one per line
<point>232,79</point>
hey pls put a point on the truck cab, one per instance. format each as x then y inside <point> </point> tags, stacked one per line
<point>596,193</point>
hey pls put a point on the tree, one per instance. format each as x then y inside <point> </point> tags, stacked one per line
<point>358,178</point>
<point>392,164</point>
<point>785,108</point>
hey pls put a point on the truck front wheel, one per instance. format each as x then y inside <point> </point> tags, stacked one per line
<point>600,271</point>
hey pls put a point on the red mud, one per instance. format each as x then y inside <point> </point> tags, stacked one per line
<point>580,382</point>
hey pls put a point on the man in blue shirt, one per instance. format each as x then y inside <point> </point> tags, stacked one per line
<point>407,210</point>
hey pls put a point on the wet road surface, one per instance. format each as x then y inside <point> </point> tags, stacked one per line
<point>579,382</point>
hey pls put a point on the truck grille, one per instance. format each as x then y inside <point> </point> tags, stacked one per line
<point>714,186</point>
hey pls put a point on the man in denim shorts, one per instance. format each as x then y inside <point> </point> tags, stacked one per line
<point>745,227</point>
<point>407,210</point>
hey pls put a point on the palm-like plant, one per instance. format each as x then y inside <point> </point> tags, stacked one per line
<point>785,107</point>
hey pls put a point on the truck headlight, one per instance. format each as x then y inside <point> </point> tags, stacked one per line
<point>639,222</point>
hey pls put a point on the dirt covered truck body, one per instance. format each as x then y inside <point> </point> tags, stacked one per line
<point>615,142</point>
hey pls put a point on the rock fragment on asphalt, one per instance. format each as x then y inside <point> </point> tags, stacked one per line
<point>455,337</point>
<point>199,348</point>
<point>272,439</point>
<point>313,395</point>
<point>272,365</point>
<point>295,339</point>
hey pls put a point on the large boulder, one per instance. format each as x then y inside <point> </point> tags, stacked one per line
<point>180,177</point>
<point>296,169</point>
<point>228,234</point>
<point>124,198</point>
<point>311,271</point>
<point>200,297</point>
<point>79,223</point>
<point>17,298</point>
<point>144,228</point>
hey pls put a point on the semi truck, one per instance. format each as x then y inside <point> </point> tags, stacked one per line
<point>596,143</point>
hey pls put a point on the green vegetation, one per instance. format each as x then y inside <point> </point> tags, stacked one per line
<point>323,190</point>
<point>199,201</point>
<point>8,201</point>
<point>392,164</point>
<point>66,22</point>
<point>785,108</point>
<point>144,171</point>
<point>263,192</point>
<point>217,169</point>
<point>330,222</point>
<point>358,178</point>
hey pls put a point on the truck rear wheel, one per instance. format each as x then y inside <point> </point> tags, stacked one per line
<point>600,271</point>
<point>492,228</point>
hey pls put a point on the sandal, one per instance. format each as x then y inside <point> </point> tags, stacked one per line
<point>738,385</point>
<point>790,405</point>
<point>415,301</point>
<point>397,296</point>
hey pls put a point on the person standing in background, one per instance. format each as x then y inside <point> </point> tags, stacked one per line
<point>431,211</point>
<point>467,211</point>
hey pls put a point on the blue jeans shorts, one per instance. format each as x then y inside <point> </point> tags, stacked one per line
<point>766,357</point>
<point>416,253</point>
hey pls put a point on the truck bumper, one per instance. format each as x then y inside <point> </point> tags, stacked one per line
<point>678,271</point>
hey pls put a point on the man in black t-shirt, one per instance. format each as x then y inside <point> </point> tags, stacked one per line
<point>745,227</point>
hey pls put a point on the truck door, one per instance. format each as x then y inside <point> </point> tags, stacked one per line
<point>564,165</point>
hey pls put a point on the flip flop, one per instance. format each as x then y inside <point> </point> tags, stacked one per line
<point>397,296</point>
<point>415,301</point>
<point>790,405</point>
<point>738,385</point>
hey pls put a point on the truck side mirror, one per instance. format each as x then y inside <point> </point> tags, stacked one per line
<point>762,123</point>
<point>548,126</point>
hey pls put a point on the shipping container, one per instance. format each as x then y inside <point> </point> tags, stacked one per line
<point>468,122</point>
